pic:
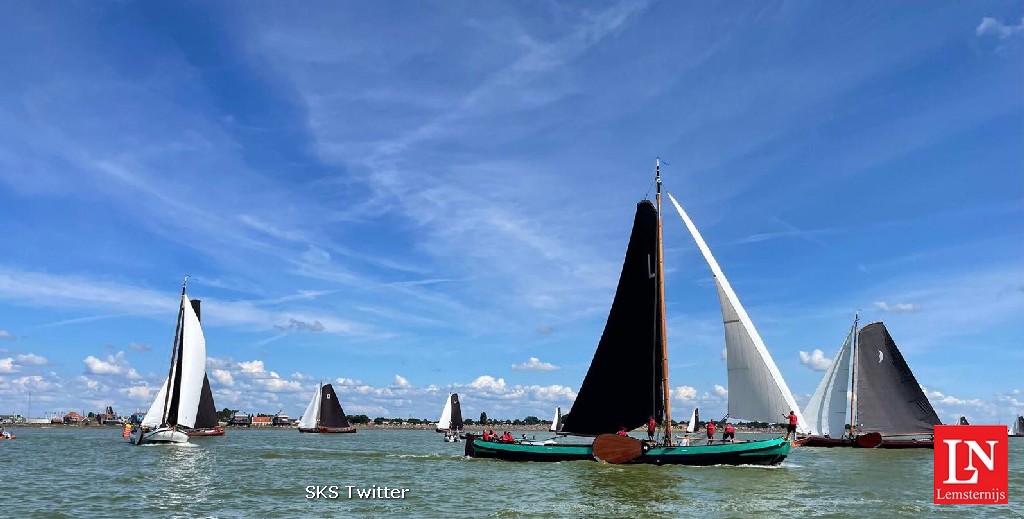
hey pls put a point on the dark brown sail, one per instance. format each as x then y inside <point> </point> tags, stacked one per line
<point>623,385</point>
<point>889,399</point>
<point>456,412</point>
<point>207,416</point>
<point>331,414</point>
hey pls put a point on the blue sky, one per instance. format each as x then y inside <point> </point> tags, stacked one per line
<point>412,199</point>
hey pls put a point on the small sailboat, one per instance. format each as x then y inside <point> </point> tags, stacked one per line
<point>450,422</point>
<point>627,383</point>
<point>324,413</point>
<point>963,421</point>
<point>556,422</point>
<point>694,418</point>
<point>1017,429</point>
<point>176,405</point>
<point>888,406</point>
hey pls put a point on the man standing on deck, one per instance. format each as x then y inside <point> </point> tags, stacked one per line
<point>710,426</point>
<point>651,426</point>
<point>791,428</point>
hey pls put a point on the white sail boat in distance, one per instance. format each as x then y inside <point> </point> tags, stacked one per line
<point>556,422</point>
<point>177,403</point>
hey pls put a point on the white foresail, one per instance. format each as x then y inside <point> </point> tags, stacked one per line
<point>445,422</point>
<point>757,390</point>
<point>155,416</point>
<point>556,422</point>
<point>692,426</point>
<point>193,365</point>
<point>827,409</point>
<point>308,420</point>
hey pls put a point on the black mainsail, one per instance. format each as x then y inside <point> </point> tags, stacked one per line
<point>331,414</point>
<point>624,385</point>
<point>456,423</point>
<point>207,417</point>
<point>889,399</point>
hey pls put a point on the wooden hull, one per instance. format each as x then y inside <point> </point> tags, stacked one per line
<point>867,441</point>
<point>765,452</point>
<point>328,430</point>
<point>215,431</point>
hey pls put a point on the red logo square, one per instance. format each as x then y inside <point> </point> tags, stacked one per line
<point>971,465</point>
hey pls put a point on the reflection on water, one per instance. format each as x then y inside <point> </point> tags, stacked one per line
<point>263,473</point>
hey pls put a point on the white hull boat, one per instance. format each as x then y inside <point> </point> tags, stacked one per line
<point>160,435</point>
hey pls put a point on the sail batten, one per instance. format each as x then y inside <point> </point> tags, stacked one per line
<point>757,390</point>
<point>889,398</point>
<point>621,388</point>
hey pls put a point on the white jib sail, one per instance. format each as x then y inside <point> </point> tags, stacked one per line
<point>827,409</point>
<point>155,416</point>
<point>556,422</point>
<point>193,365</point>
<point>308,420</point>
<point>757,390</point>
<point>445,422</point>
<point>692,426</point>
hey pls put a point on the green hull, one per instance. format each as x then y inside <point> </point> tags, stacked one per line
<point>762,452</point>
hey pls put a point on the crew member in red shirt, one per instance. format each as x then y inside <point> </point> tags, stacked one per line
<point>622,432</point>
<point>711,431</point>
<point>729,434</point>
<point>791,428</point>
<point>651,426</point>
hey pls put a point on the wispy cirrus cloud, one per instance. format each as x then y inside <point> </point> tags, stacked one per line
<point>897,307</point>
<point>998,28</point>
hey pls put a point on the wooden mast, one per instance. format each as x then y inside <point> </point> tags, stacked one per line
<point>853,376</point>
<point>661,311</point>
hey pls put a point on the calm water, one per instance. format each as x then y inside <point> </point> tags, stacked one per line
<point>93,472</point>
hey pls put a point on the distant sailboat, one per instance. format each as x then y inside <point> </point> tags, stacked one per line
<point>963,421</point>
<point>888,406</point>
<point>176,405</point>
<point>1017,430</point>
<point>324,413</point>
<point>450,422</point>
<point>627,382</point>
<point>694,418</point>
<point>556,422</point>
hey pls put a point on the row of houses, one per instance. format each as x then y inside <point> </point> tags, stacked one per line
<point>260,420</point>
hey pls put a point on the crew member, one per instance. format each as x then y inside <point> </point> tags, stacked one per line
<point>791,428</point>
<point>729,434</point>
<point>651,426</point>
<point>710,426</point>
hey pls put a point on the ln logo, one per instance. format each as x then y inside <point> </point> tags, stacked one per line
<point>971,464</point>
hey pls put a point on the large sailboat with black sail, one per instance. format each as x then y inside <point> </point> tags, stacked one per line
<point>324,413</point>
<point>173,411</point>
<point>627,383</point>
<point>450,422</point>
<point>870,381</point>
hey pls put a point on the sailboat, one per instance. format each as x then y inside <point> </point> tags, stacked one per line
<point>450,422</point>
<point>324,413</point>
<point>176,405</point>
<point>556,422</point>
<point>207,419</point>
<point>963,421</point>
<point>1017,430</point>
<point>694,418</point>
<point>888,406</point>
<point>627,383</point>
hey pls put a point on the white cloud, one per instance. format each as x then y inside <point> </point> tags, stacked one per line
<point>252,366</point>
<point>998,28</point>
<point>6,335</point>
<point>815,360</point>
<point>488,383</point>
<point>897,307</point>
<point>115,364</point>
<point>223,376</point>
<point>135,346</point>
<point>725,353</point>
<point>684,394</point>
<point>142,393</point>
<point>31,359</point>
<point>400,381</point>
<point>721,391</point>
<point>535,364</point>
<point>7,366</point>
